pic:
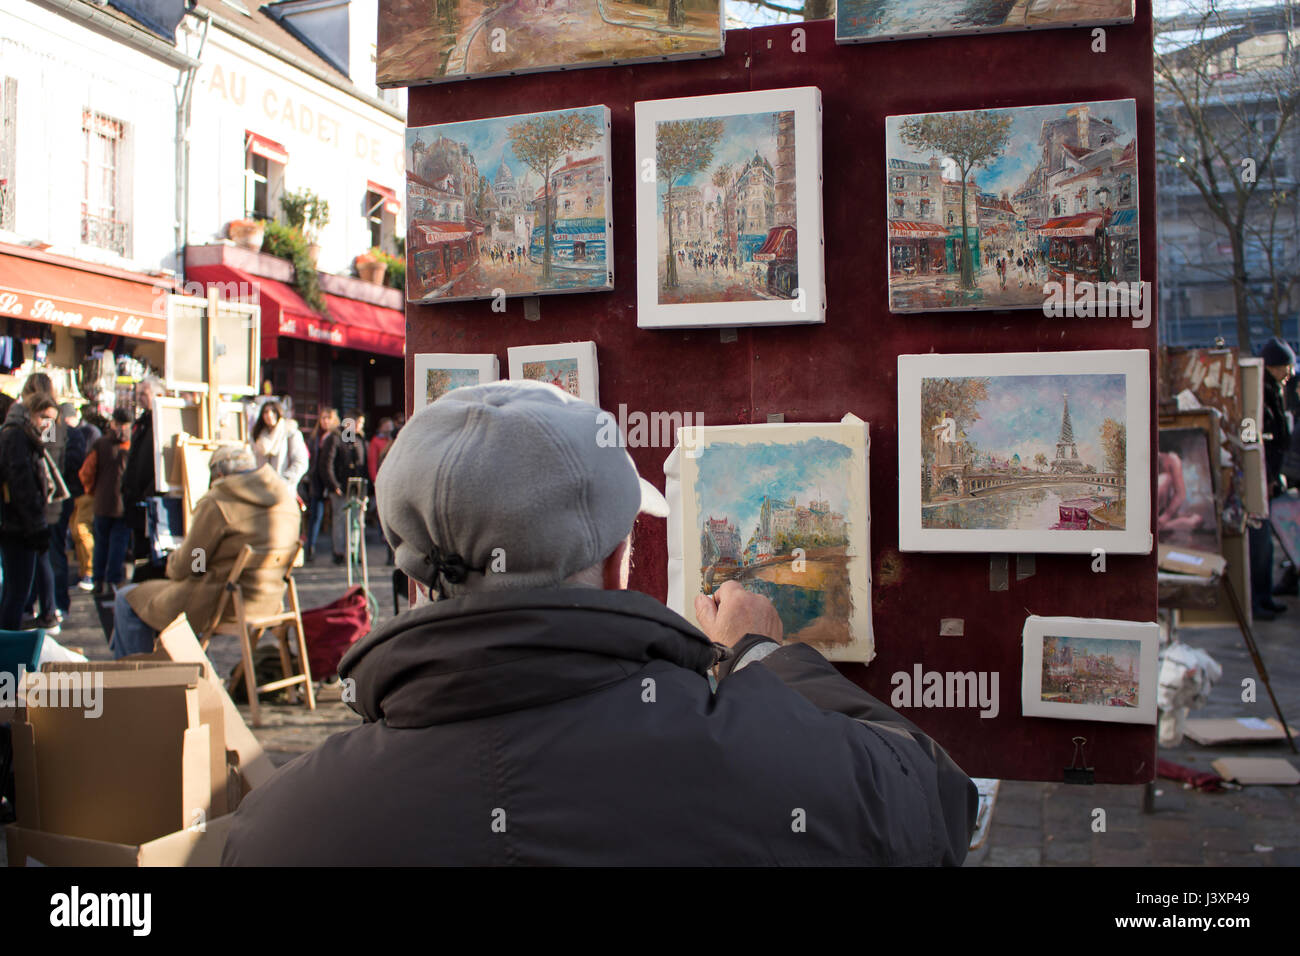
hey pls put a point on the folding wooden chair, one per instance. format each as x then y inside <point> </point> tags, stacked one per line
<point>250,629</point>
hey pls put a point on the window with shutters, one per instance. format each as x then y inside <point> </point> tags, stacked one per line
<point>8,145</point>
<point>105,182</point>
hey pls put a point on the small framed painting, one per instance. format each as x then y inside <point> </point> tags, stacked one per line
<point>1025,452</point>
<point>570,366</point>
<point>1079,668</point>
<point>512,205</point>
<point>437,373</point>
<point>869,21</point>
<point>783,510</point>
<point>729,210</point>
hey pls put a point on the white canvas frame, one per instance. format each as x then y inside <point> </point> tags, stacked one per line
<point>1134,364</point>
<point>602,149</point>
<point>811,307</point>
<point>584,352</point>
<point>486,364</point>
<point>846,38</point>
<point>681,470</point>
<point>1031,674</point>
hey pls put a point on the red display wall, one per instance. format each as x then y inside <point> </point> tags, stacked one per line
<point>817,373</point>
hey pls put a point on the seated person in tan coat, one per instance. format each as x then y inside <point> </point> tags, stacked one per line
<point>245,505</point>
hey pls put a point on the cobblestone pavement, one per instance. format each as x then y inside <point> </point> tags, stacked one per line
<point>1033,823</point>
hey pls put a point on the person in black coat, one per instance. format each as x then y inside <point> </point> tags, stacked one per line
<point>1275,428</point>
<point>342,456</point>
<point>24,533</point>
<point>538,712</point>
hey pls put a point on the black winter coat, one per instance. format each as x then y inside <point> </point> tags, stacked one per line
<point>80,441</point>
<point>138,481</point>
<point>578,727</point>
<point>1277,431</point>
<point>25,483</point>
<point>337,461</point>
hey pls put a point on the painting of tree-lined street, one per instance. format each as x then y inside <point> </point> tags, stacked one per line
<point>1024,452</point>
<point>426,41</point>
<point>726,211</point>
<point>863,21</point>
<point>985,207</point>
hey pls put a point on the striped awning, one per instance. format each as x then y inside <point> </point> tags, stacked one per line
<point>903,229</point>
<point>1071,227</point>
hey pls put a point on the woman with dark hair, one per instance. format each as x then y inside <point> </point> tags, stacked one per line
<point>26,490</point>
<point>327,423</point>
<point>278,443</point>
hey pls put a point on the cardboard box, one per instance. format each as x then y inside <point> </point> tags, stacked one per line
<point>138,771</point>
<point>1268,771</point>
<point>1203,564</point>
<point>192,847</point>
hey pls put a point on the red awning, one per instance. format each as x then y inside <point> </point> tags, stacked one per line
<point>391,203</point>
<point>350,325</point>
<point>436,234</point>
<point>57,290</point>
<point>1067,227</point>
<point>782,243</point>
<point>266,148</point>
<point>903,229</point>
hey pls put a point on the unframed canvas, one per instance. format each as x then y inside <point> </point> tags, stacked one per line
<point>1086,669</point>
<point>1024,452</point>
<point>1187,510</point>
<point>437,373</point>
<point>985,208</point>
<point>570,366</point>
<point>867,21</point>
<point>430,41</point>
<point>509,206</point>
<point>729,210</point>
<point>784,510</point>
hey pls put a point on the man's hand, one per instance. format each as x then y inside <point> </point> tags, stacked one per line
<point>732,612</point>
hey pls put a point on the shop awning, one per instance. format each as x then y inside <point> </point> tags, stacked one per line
<point>266,148</point>
<point>782,243</point>
<point>1071,227</point>
<point>58,290</point>
<point>436,234</point>
<point>1123,217</point>
<point>903,229</point>
<point>391,203</point>
<point>350,324</point>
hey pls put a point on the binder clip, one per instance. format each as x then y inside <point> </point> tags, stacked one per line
<point>1077,772</point>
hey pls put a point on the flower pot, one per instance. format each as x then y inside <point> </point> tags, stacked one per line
<point>313,252</point>
<point>372,270</point>
<point>247,233</point>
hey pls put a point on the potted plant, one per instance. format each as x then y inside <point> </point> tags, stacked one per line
<point>371,266</point>
<point>308,213</point>
<point>246,233</point>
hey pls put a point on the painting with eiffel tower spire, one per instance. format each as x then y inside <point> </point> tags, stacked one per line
<point>1044,451</point>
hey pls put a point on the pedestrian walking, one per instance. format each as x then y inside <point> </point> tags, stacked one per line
<point>27,489</point>
<point>319,483</point>
<point>101,476</point>
<point>278,442</point>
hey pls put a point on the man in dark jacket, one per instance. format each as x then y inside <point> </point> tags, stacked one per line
<point>1276,432</point>
<point>139,479</point>
<point>342,457</point>
<point>540,713</point>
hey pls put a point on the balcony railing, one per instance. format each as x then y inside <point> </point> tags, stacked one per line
<point>105,233</point>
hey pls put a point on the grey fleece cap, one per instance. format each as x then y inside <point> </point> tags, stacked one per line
<point>512,484</point>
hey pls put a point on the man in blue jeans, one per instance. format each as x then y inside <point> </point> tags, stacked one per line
<point>101,475</point>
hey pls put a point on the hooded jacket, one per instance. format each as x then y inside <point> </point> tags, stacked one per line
<point>255,508</point>
<point>26,489</point>
<point>578,727</point>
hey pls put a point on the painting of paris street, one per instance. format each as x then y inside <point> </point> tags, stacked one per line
<point>729,226</point>
<point>427,41</point>
<point>863,21</point>
<point>513,204</point>
<point>986,206</point>
<point>782,510</point>
<point>1098,671</point>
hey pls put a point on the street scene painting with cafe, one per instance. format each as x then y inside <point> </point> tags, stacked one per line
<point>725,192</point>
<point>774,518</point>
<point>1024,452</point>
<point>1091,670</point>
<point>514,203</point>
<point>986,206</point>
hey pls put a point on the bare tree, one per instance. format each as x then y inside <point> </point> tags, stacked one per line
<point>1228,90</point>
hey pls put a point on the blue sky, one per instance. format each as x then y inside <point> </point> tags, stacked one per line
<point>741,136</point>
<point>1023,414</point>
<point>1008,172</point>
<point>489,142</point>
<point>733,478</point>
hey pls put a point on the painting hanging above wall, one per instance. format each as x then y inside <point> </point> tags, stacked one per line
<point>570,366</point>
<point>784,511</point>
<point>514,205</point>
<point>1028,207</point>
<point>1085,669</point>
<point>866,21</point>
<point>431,41</point>
<point>729,210</point>
<point>437,373</point>
<point>1025,452</point>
